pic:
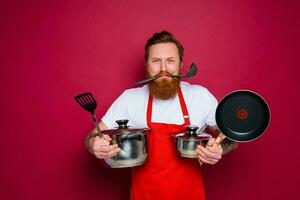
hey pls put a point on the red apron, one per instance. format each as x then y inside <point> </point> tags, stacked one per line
<point>166,175</point>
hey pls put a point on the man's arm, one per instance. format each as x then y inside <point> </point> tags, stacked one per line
<point>227,145</point>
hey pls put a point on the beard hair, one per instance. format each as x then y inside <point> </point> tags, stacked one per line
<point>163,88</point>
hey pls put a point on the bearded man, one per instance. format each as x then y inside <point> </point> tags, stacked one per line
<point>166,105</point>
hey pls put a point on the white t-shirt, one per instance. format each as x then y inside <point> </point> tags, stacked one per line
<point>132,105</point>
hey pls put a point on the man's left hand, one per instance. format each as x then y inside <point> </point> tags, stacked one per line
<point>210,154</point>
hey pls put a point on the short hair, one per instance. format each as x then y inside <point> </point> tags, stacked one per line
<point>163,37</point>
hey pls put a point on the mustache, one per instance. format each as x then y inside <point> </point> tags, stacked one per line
<point>160,74</point>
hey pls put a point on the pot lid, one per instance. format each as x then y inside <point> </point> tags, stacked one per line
<point>192,133</point>
<point>201,136</point>
<point>124,129</point>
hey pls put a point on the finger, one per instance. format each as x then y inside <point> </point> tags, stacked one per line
<point>206,161</point>
<point>103,137</point>
<point>211,141</point>
<point>105,148</point>
<point>207,153</point>
<point>200,162</point>
<point>207,157</point>
<point>101,154</point>
<point>113,152</point>
<point>100,141</point>
<point>203,160</point>
<point>215,149</point>
<point>107,137</point>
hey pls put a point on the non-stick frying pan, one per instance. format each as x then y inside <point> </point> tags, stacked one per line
<point>242,116</point>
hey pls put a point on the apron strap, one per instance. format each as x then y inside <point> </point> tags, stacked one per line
<point>184,110</point>
<point>149,110</point>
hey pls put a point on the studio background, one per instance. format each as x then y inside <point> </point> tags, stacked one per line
<point>54,50</point>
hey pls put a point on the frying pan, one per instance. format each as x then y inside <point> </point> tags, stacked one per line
<point>242,116</point>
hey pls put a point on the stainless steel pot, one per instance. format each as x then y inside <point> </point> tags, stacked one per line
<point>133,145</point>
<point>186,142</point>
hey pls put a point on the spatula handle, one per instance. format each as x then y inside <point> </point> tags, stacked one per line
<point>97,125</point>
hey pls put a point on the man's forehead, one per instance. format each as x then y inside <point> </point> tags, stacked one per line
<point>164,50</point>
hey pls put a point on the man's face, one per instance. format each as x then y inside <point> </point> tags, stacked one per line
<point>163,58</point>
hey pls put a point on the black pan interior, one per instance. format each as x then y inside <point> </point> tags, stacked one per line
<point>242,115</point>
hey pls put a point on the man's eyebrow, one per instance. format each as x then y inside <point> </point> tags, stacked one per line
<point>172,57</point>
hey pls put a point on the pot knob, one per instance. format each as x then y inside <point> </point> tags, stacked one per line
<point>122,123</point>
<point>191,131</point>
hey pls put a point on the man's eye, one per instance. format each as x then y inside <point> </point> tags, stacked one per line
<point>170,61</point>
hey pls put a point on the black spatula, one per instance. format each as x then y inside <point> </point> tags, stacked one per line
<point>88,103</point>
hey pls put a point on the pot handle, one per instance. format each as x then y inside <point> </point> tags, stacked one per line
<point>131,136</point>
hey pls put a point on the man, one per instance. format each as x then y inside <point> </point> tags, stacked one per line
<point>166,105</point>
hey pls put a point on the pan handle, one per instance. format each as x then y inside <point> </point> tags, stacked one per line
<point>220,138</point>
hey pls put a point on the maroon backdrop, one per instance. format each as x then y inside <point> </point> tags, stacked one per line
<point>54,50</point>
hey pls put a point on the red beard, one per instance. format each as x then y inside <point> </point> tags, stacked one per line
<point>164,88</point>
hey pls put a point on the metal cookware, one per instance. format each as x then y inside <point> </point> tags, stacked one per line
<point>242,116</point>
<point>132,142</point>
<point>133,145</point>
<point>187,142</point>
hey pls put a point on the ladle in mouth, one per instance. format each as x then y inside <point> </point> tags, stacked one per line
<point>192,72</point>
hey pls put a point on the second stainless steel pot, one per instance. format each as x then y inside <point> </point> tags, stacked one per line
<point>133,145</point>
<point>186,142</point>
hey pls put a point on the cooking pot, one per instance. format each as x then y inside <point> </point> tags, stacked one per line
<point>186,142</point>
<point>133,145</point>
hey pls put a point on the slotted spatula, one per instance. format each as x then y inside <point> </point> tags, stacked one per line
<point>88,103</point>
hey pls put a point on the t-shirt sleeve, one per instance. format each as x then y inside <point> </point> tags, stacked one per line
<point>211,119</point>
<point>118,110</point>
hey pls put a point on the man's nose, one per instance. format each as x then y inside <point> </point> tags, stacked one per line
<point>163,66</point>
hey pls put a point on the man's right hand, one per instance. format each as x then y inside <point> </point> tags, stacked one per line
<point>101,147</point>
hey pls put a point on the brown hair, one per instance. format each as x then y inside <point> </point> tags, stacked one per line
<point>163,37</point>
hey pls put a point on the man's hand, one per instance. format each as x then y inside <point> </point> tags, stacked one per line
<point>210,154</point>
<point>101,148</point>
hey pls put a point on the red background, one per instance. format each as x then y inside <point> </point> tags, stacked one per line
<point>54,50</point>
